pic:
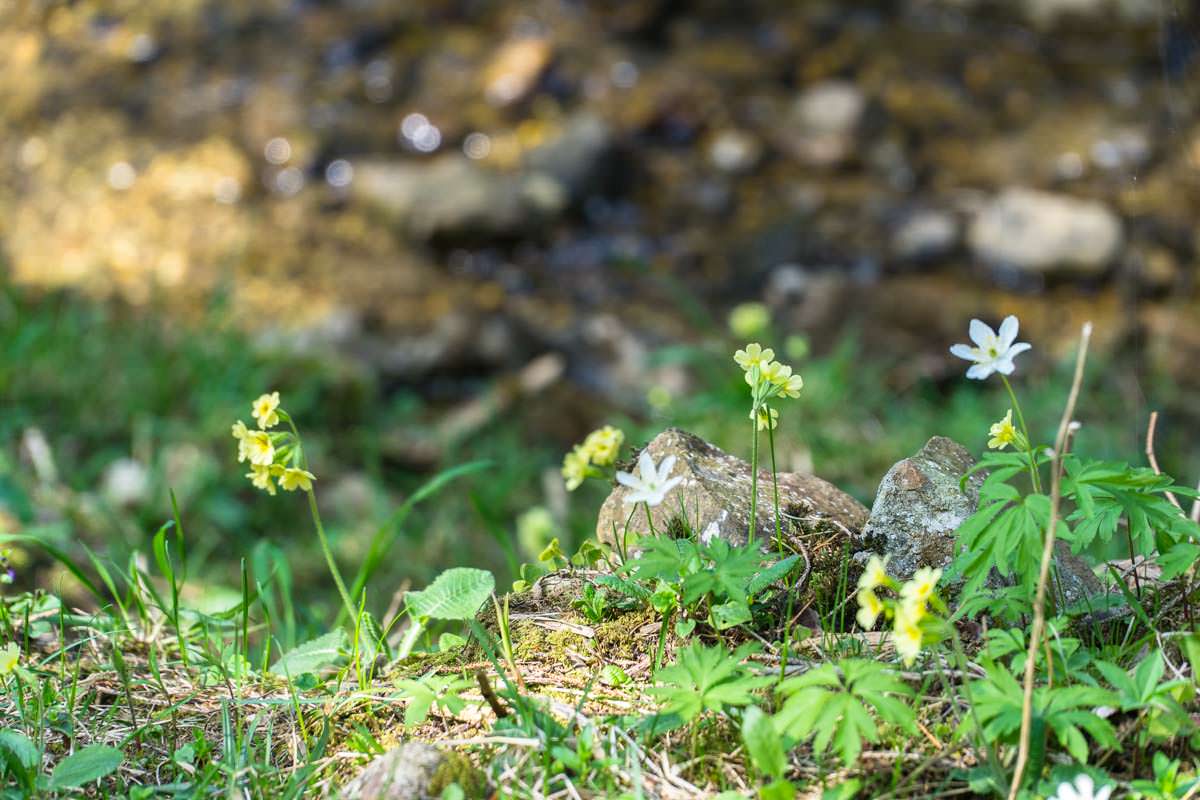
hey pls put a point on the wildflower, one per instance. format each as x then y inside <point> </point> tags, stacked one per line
<point>258,448</point>
<point>875,575</point>
<point>921,586</point>
<point>1003,433</point>
<point>774,372</point>
<point>602,446</point>
<point>294,478</point>
<point>869,608</point>
<point>791,385</point>
<point>266,410</point>
<point>767,417</point>
<point>992,352</point>
<point>906,634</point>
<point>240,432</point>
<point>261,476</point>
<point>9,657</point>
<point>1084,788</point>
<point>574,468</point>
<point>749,319</point>
<point>653,485</point>
<point>755,355</point>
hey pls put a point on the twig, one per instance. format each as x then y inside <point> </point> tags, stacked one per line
<point>489,694</point>
<point>1154,461</point>
<point>1039,612</point>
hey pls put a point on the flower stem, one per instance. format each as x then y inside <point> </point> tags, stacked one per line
<point>775,488</point>
<point>333,567</point>
<point>1033,470</point>
<point>753,476</point>
<point>649,519</point>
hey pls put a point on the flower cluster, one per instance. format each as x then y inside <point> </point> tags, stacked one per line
<point>599,449</point>
<point>767,379</point>
<point>910,612</point>
<point>272,456</point>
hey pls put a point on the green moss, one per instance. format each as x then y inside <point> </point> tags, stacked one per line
<point>458,769</point>
<point>617,638</point>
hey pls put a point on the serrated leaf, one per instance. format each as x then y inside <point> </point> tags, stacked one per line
<point>85,766</point>
<point>456,594</point>
<point>311,656</point>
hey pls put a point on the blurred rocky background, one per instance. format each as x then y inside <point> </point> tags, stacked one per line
<point>479,202</point>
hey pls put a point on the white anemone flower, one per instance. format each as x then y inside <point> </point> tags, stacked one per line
<point>993,352</point>
<point>654,483</point>
<point>1084,788</point>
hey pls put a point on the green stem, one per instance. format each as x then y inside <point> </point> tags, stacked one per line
<point>649,519</point>
<point>775,488</point>
<point>753,476</point>
<point>1033,471</point>
<point>333,567</point>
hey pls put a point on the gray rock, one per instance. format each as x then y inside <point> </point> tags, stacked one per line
<point>452,197</point>
<point>714,498</point>
<point>919,507</point>
<point>574,159</point>
<point>824,122</point>
<point>925,236</point>
<point>413,771</point>
<point>1040,232</point>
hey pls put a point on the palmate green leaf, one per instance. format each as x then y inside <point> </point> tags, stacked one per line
<point>663,558</point>
<point>830,704</point>
<point>424,692</point>
<point>456,594</point>
<point>706,679</point>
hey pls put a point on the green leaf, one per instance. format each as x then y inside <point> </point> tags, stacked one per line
<point>706,679</point>
<point>728,615</point>
<point>311,656</point>
<point>763,743</point>
<point>455,594</point>
<point>21,755</point>
<point>85,766</point>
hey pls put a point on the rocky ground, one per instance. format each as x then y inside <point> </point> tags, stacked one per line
<point>448,190</point>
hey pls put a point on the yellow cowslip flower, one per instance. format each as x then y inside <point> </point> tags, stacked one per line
<point>875,575</point>
<point>258,448</point>
<point>574,468</point>
<point>869,609</point>
<point>775,372</point>
<point>791,386</point>
<point>907,634</point>
<point>261,476</point>
<point>240,432</point>
<point>755,355</point>
<point>922,585</point>
<point>9,657</point>
<point>265,410</point>
<point>293,479</point>
<point>767,418</point>
<point>604,445</point>
<point>1003,433</point>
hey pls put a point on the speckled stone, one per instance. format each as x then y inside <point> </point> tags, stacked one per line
<point>920,505</point>
<point>714,497</point>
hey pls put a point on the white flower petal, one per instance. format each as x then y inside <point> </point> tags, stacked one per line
<point>1066,792</point>
<point>980,332</point>
<point>1084,786</point>
<point>964,351</point>
<point>1103,793</point>
<point>1004,365</point>
<point>664,469</point>
<point>646,466</point>
<point>1008,331</point>
<point>980,371</point>
<point>1018,348</point>
<point>626,479</point>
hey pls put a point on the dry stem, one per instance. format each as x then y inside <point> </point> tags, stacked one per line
<point>1039,603</point>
